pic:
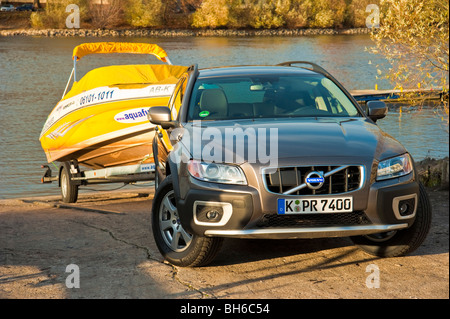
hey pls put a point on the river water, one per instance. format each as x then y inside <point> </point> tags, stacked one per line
<point>34,72</point>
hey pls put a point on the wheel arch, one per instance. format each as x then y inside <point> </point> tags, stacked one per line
<point>172,170</point>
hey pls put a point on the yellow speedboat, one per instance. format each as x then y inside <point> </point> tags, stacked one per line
<point>101,122</point>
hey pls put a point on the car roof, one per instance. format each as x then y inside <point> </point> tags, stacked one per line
<point>253,70</point>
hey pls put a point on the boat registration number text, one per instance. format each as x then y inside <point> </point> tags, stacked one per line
<point>93,97</point>
<point>319,205</point>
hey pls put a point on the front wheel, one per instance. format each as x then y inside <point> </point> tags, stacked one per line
<point>175,244</point>
<point>400,242</point>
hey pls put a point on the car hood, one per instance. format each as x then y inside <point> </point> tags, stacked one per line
<point>288,140</point>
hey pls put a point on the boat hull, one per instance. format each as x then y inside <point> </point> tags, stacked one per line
<point>102,135</point>
<point>102,121</point>
<point>112,150</point>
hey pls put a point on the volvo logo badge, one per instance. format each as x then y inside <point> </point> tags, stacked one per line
<point>314,180</point>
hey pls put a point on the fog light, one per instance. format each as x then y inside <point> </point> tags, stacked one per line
<point>208,214</point>
<point>403,209</point>
<point>405,206</point>
<point>212,213</point>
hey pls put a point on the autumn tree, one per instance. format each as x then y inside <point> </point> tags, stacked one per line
<point>414,38</point>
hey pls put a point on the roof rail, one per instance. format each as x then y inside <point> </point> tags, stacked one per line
<point>315,67</point>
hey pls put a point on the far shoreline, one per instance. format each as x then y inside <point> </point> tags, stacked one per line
<point>180,32</point>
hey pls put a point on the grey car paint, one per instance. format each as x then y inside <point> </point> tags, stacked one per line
<point>301,141</point>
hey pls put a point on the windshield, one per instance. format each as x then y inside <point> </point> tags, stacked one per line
<point>268,96</point>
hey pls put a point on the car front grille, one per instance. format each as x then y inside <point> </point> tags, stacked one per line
<point>291,180</point>
<point>313,220</point>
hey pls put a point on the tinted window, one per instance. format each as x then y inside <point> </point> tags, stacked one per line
<point>268,96</point>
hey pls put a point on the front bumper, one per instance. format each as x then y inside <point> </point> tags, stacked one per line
<point>244,212</point>
<point>311,232</point>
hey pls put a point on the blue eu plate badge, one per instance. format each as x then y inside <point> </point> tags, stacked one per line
<point>281,206</point>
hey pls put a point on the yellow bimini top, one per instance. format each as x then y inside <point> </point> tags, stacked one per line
<point>119,47</point>
<point>130,76</point>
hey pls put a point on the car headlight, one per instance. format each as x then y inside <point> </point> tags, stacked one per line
<point>394,167</point>
<point>218,173</point>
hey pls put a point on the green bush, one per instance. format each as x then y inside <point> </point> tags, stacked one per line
<point>299,15</point>
<point>36,20</point>
<point>241,14</point>
<point>212,14</point>
<point>144,13</point>
<point>277,13</point>
<point>268,14</point>
<point>328,13</point>
<point>256,14</point>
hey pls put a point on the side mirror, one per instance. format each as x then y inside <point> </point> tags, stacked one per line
<point>376,110</point>
<point>161,115</point>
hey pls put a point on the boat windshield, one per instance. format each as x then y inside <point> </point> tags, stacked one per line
<point>268,96</point>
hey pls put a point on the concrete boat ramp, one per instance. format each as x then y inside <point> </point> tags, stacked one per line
<point>102,247</point>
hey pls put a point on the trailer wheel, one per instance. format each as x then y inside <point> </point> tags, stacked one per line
<point>69,191</point>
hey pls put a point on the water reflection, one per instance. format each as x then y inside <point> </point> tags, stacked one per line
<point>423,132</point>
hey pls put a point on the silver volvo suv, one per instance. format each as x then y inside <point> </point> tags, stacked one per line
<point>279,152</point>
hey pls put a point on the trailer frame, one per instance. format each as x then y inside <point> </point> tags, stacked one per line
<point>70,176</point>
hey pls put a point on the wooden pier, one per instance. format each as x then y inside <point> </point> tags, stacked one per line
<point>394,96</point>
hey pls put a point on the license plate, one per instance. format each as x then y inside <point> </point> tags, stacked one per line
<point>319,205</point>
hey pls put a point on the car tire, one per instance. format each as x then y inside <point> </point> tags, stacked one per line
<point>175,244</point>
<point>400,242</point>
<point>156,180</point>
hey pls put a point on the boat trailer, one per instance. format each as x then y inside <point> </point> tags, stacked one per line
<point>70,176</point>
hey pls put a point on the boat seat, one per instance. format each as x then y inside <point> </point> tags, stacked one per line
<point>215,102</point>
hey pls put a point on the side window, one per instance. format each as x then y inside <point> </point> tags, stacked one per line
<point>177,98</point>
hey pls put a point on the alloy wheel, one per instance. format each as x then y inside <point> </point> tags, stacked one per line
<point>172,232</point>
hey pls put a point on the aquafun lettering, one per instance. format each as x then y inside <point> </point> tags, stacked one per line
<point>132,116</point>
